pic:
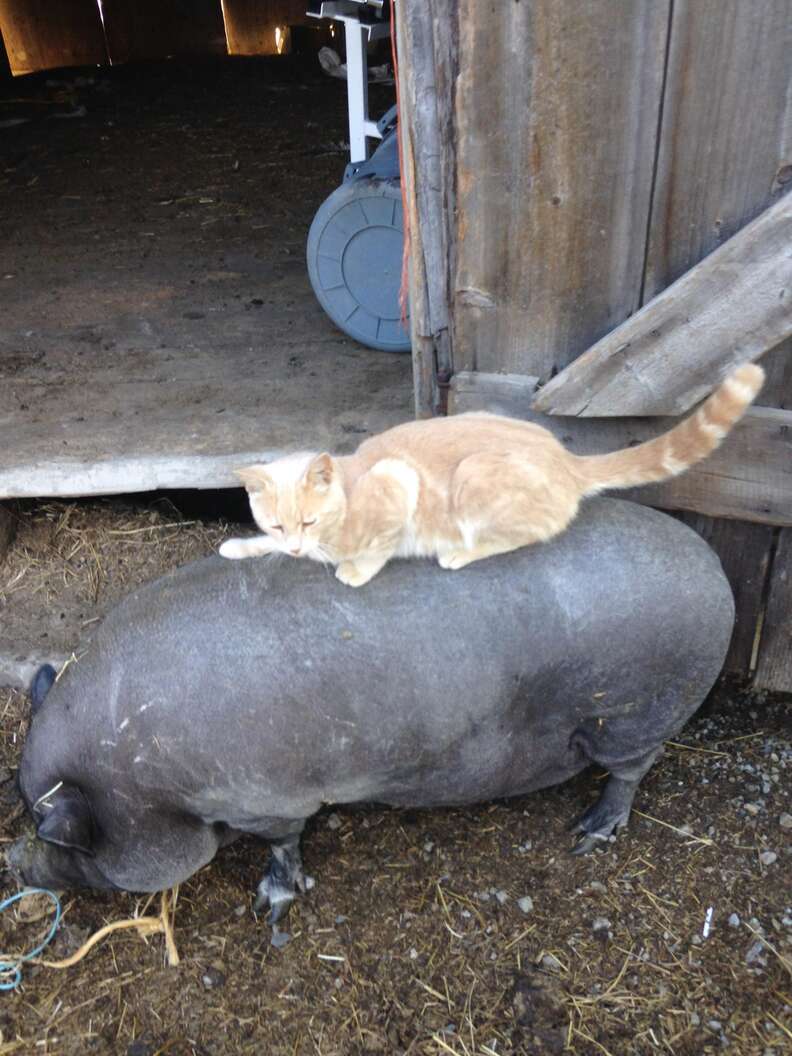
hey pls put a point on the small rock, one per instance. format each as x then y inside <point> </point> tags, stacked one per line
<point>753,808</point>
<point>697,940</point>
<point>309,883</point>
<point>212,978</point>
<point>525,903</point>
<point>428,847</point>
<point>734,921</point>
<point>597,885</point>
<point>551,963</point>
<point>600,924</point>
<point>334,822</point>
<point>768,857</point>
<point>482,896</point>
<point>341,919</point>
<point>715,1024</point>
<point>502,897</point>
<point>785,821</point>
<point>413,954</point>
<point>695,1019</point>
<point>754,953</point>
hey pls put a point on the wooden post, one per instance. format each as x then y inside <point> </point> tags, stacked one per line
<point>427,57</point>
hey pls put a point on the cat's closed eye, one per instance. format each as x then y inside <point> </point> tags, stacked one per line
<point>276,527</point>
<point>307,524</point>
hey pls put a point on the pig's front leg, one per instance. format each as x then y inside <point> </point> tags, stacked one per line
<point>236,549</point>
<point>282,880</point>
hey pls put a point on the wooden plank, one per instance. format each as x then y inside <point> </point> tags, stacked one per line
<point>153,29</point>
<point>748,478</point>
<point>774,668</point>
<point>725,150</point>
<point>41,35</point>
<point>427,63</point>
<point>744,551</point>
<point>508,394</point>
<point>250,24</point>
<point>732,307</point>
<point>556,118</point>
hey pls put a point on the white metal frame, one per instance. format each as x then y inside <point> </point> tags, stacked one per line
<point>357,34</point>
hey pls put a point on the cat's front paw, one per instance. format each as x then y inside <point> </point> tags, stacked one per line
<point>455,559</point>
<point>234,549</point>
<point>348,572</point>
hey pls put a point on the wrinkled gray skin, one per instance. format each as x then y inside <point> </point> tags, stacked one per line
<point>237,697</point>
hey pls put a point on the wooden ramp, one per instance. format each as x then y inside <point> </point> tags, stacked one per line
<point>109,424</point>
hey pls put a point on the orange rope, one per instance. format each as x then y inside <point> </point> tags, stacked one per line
<point>403,288</point>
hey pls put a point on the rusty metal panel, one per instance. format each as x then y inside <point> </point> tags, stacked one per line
<point>155,29</point>
<point>251,24</point>
<point>42,35</point>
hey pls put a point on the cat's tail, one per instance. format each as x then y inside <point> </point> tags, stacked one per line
<point>681,447</point>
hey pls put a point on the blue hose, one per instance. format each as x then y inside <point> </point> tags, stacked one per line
<point>14,968</point>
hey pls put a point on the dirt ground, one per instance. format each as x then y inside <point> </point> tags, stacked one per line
<point>156,302</point>
<point>443,932</point>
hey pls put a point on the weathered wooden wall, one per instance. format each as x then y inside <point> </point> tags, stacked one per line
<point>601,149</point>
<point>43,34</point>
<point>40,34</point>
<point>251,24</point>
<point>155,29</point>
<point>556,112</point>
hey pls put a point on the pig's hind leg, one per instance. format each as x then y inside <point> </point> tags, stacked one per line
<point>283,879</point>
<point>612,810</point>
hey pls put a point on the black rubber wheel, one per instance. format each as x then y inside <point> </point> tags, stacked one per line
<point>355,262</point>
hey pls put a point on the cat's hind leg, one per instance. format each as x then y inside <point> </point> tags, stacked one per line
<point>501,501</point>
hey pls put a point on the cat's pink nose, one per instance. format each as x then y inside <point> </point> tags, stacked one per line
<point>295,553</point>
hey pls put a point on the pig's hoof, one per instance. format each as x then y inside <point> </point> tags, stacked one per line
<point>279,886</point>
<point>597,826</point>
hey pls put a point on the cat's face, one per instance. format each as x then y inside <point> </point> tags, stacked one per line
<point>298,501</point>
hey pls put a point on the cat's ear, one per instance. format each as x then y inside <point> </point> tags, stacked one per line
<point>320,472</point>
<point>255,478</point>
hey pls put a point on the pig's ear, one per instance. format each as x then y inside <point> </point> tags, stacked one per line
<point>68,823</point>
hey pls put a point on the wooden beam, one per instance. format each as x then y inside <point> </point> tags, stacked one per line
<point>557,110</point>
<point>41,35</point>
<point>730,308</point>
<point>748,478</point>
<point>774,667</point>
<point>153,29</point>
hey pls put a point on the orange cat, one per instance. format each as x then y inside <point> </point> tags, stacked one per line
<point>459,488</point>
